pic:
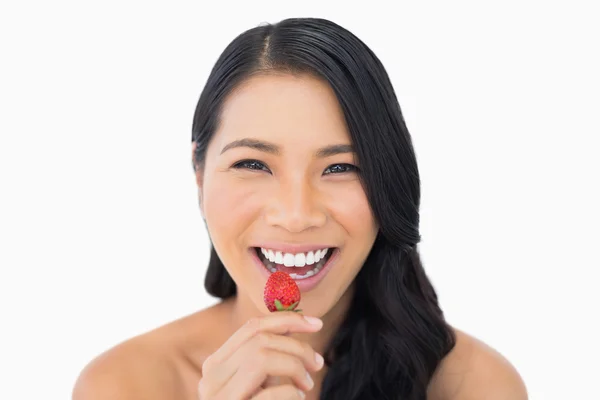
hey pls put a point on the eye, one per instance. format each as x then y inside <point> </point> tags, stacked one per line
<point>251,164</point>
<point>340,168</point>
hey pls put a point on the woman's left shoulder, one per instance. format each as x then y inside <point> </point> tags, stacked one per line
<point>474,370</point>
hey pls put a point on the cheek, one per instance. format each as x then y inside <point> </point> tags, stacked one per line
<point>353,212</point>
<point>229,207</point>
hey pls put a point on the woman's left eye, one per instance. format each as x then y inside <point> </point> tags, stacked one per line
<point>340,168</point>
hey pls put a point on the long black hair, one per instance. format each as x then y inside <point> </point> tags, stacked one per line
<point>394,335</point>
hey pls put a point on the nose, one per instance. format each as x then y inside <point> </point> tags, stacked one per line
<point>295,207</point>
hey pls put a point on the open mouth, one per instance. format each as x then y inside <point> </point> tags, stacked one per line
<point>298,266</point>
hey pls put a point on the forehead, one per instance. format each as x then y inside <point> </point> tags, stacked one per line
<point>282,107</point>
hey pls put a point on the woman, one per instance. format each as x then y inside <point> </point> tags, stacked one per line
<point>304,165</point>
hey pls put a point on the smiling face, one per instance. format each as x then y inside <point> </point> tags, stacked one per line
<point>280,191</point>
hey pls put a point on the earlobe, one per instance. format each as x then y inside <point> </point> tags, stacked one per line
<point>200,204</point>
<point>199,180</point>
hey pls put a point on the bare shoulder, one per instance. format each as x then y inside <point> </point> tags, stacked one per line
<point>128,371</point>
<point>164,363</point>
<point>474,370</point>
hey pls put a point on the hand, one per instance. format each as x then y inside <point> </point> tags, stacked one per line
<point>260,350</point>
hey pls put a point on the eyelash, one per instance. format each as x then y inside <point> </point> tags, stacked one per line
<point>246,163</point>
<point>256,165</point>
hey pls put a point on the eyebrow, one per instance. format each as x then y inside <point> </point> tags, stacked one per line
<point>272,148</point>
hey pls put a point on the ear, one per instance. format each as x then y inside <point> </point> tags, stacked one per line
<point>199,174</point>
<point>200,204</point>
<point>194,166</point>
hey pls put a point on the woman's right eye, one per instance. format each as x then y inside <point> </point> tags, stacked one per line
<point>251,164</point>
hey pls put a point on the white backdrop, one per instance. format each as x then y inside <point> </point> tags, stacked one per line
<point>101,237</point>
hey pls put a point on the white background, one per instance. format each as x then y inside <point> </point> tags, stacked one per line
<point>101,237</point>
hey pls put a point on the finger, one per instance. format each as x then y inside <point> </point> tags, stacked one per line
<point>280,322</point>
<point>284,344</point>
<point>283,392</point>
<point>268,363</point>
<point>273,381</point>
<point>218,370</point>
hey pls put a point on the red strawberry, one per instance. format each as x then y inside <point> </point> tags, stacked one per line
<point>281,293</point>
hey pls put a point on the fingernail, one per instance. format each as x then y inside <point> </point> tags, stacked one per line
<point>301,394</point>
<point>313,321</point>
<point>319,359</point>
<point>311,383</point>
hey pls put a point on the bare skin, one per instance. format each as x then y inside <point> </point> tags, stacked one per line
<point>167,364</point>
<point>273,177</point>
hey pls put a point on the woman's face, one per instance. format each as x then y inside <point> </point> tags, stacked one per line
<point>279,187</point>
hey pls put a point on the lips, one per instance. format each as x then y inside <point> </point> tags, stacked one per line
<point>301,275</point>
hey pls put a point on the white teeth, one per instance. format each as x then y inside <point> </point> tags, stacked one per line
<point>313,257</point>
<point>308,274</point>
<point>291,260</point>
<point>288,260</point>
<point>300,260</point>
<point>268,253</point>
